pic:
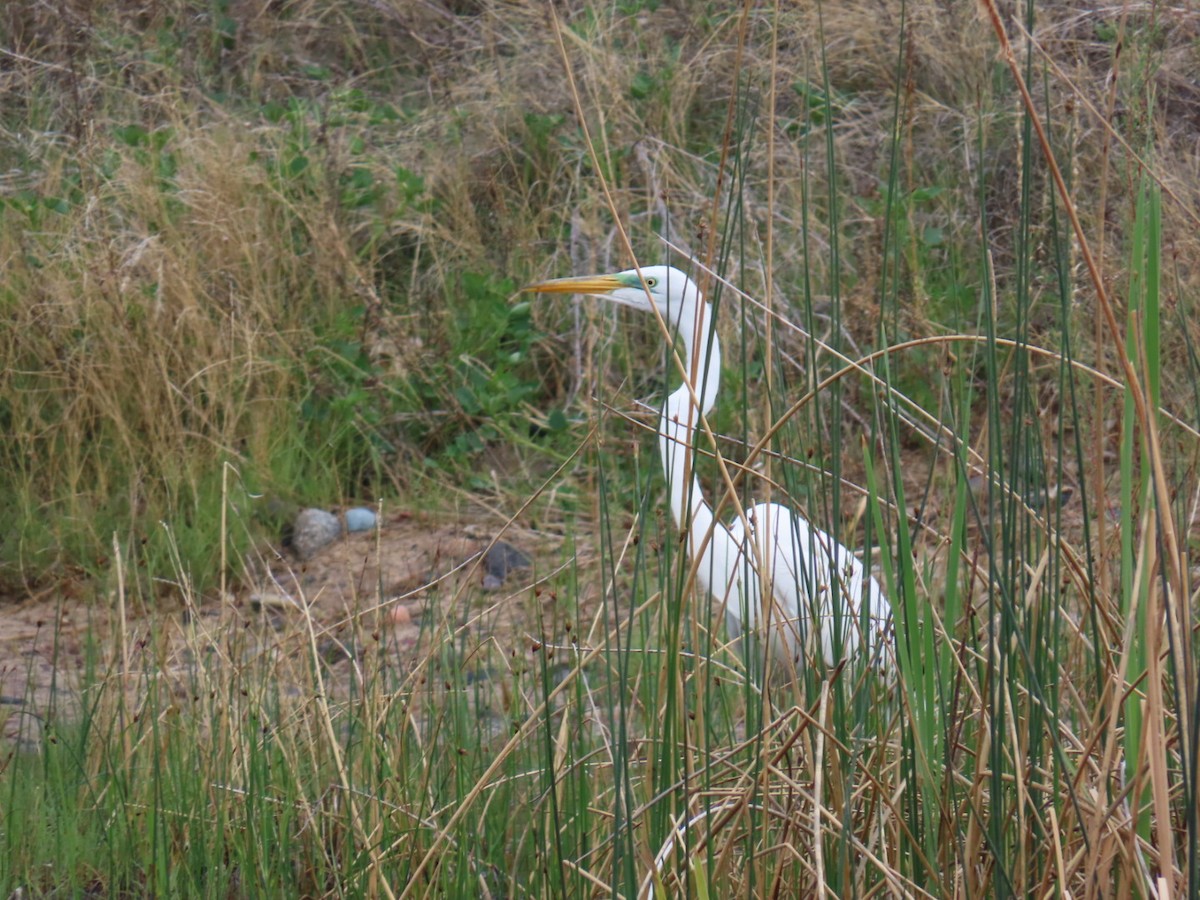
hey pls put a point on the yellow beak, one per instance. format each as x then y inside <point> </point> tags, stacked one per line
<point>589,284</point>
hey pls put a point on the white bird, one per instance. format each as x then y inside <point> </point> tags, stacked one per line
<point>800,562</point>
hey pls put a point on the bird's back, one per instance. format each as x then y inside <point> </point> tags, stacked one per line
<point>819,589</point>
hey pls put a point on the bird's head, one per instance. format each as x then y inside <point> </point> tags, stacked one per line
<point>673,293</point>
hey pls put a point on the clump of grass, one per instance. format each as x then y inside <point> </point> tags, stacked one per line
<point>183,291</point>
<point>156,328</point>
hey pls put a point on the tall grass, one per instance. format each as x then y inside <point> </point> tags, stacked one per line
<point>901,242</point>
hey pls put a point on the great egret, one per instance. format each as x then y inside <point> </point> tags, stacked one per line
<point>805,568</point>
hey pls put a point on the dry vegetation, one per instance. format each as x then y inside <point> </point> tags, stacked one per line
<point>255,256</point>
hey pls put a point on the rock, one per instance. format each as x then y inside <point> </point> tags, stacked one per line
<point>314,529</point>
<point>359,518</point>
<point>502,559</point>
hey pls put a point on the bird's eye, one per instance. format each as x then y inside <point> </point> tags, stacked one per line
<point>651,282</point>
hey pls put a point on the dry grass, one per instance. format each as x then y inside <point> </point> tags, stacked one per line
<point>283,239</point>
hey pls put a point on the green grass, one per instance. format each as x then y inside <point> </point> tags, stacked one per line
<point>256,262</point>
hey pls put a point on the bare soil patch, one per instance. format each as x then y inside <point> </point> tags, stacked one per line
<point>391,588</point>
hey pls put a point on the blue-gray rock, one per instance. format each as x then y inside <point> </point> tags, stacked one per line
<point>500,560</point>
<point>359,518</point>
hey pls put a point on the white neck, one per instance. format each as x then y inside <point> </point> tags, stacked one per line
<point>681,415</point>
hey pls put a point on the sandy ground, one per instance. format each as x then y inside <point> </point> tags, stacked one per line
<point>397,581</point>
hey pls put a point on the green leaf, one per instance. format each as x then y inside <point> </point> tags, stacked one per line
<point>273,111</point>
<point>925,194</point>
<point>642,86</point>
<point>131,135</point>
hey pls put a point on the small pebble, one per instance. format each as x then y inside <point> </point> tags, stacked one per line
<point>399,615</point>
<point>502,559</point>
<point>314,529</point>
<point>359,518</point>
